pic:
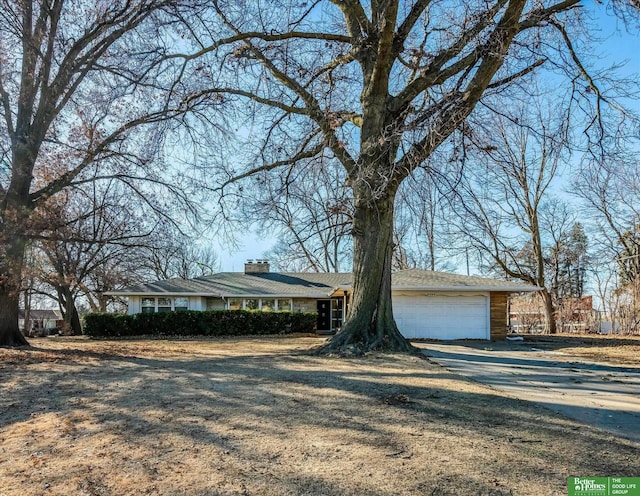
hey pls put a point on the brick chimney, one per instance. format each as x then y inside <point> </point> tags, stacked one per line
<point>257,267</point>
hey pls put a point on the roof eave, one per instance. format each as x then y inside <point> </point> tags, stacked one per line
<point>231,295</point>
<point>504,289</point>
<point>279,295</point>
<point>328,293</point>
<point>159,293</point>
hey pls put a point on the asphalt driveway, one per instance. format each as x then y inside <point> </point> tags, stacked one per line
<point>603,395</point>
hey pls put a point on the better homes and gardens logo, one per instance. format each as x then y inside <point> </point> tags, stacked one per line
<point>604,486</point>
<point>591,486</point>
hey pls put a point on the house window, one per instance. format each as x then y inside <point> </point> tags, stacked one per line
<point>148,305</point>
<point>268,305</point>
<point>264,304</point>
<point>164,305</point>
<point>181,303</point>
<point>235,303</point>
<point>284,305</point>
<point>251,304</point>
<point>336,313</point>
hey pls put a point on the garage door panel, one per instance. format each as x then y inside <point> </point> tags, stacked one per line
<point>442,317</point>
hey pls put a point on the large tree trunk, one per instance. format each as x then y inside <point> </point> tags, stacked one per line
<point>550,311</point>
<point>11,258</point>
<point>72,324</point>
<point>15,211</point>
<point>74,320</point>
<point>369,324</point>
<point>102,303</point>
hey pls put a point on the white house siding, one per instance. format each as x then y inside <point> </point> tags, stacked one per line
<point>442,315</point>
<point>134,306</point>
<point>215,304</point>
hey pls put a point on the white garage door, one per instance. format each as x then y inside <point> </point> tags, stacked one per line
<point>442,317</point>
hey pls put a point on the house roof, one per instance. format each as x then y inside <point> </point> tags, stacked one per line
<point>199,286</point>
<point>444,281</point>
<point>45,314</point>
<point>313,284</point>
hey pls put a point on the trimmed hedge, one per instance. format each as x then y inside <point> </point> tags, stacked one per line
<point>193,323</point>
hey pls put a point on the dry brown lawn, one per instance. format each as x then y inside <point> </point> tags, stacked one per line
<point>602,348</point>
<point>257,416</point>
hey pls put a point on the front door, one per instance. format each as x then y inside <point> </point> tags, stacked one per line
<point>324,315</point>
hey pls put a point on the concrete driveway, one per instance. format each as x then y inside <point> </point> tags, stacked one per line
<point>603,395</point>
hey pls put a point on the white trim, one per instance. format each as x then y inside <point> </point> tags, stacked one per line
<point>278,295</point>
<point>427,293</point>
<point>464,289</point>
<point>493,289</point>
<point>223,296</point>
<point>161,293</point>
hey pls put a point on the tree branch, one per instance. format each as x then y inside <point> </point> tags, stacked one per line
<point>301,155</point>
<point>452,116</point>
<point>407,25</point>
<point>435,73</point>
<point>67,178</point>
<point>358,24</point>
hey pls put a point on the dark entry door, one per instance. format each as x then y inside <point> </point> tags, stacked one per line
<point>324,315</point>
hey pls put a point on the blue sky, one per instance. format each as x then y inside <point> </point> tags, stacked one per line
<point>619,46</point>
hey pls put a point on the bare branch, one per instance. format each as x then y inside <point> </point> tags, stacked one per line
<point>301,155</point>
<point>408,24</point>
<point>358,24</point>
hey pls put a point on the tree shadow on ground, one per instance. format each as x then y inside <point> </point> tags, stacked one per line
<point>401,412</point>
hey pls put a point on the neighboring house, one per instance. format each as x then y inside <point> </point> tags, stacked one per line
<point>526,314</point>
<point>42,322</point>
<point>426,304</point>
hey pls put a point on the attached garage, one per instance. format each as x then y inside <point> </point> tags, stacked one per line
<point>443,316</point>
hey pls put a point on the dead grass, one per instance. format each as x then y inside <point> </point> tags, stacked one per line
<point>258,417</point>
<point>602,348</point>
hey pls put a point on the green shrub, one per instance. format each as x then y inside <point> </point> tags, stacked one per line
<point>192,323</point>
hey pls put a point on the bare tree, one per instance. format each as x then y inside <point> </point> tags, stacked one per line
<point>610,190</point>
<point>79,82</point>
<point>177,256</point>
<point>568,262</point>
<point>89,230</point>
<point>502,197</point>
<point>101,238</point>
<point>378,86</point>
<point>311,215</point>
<point>421,232</point>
